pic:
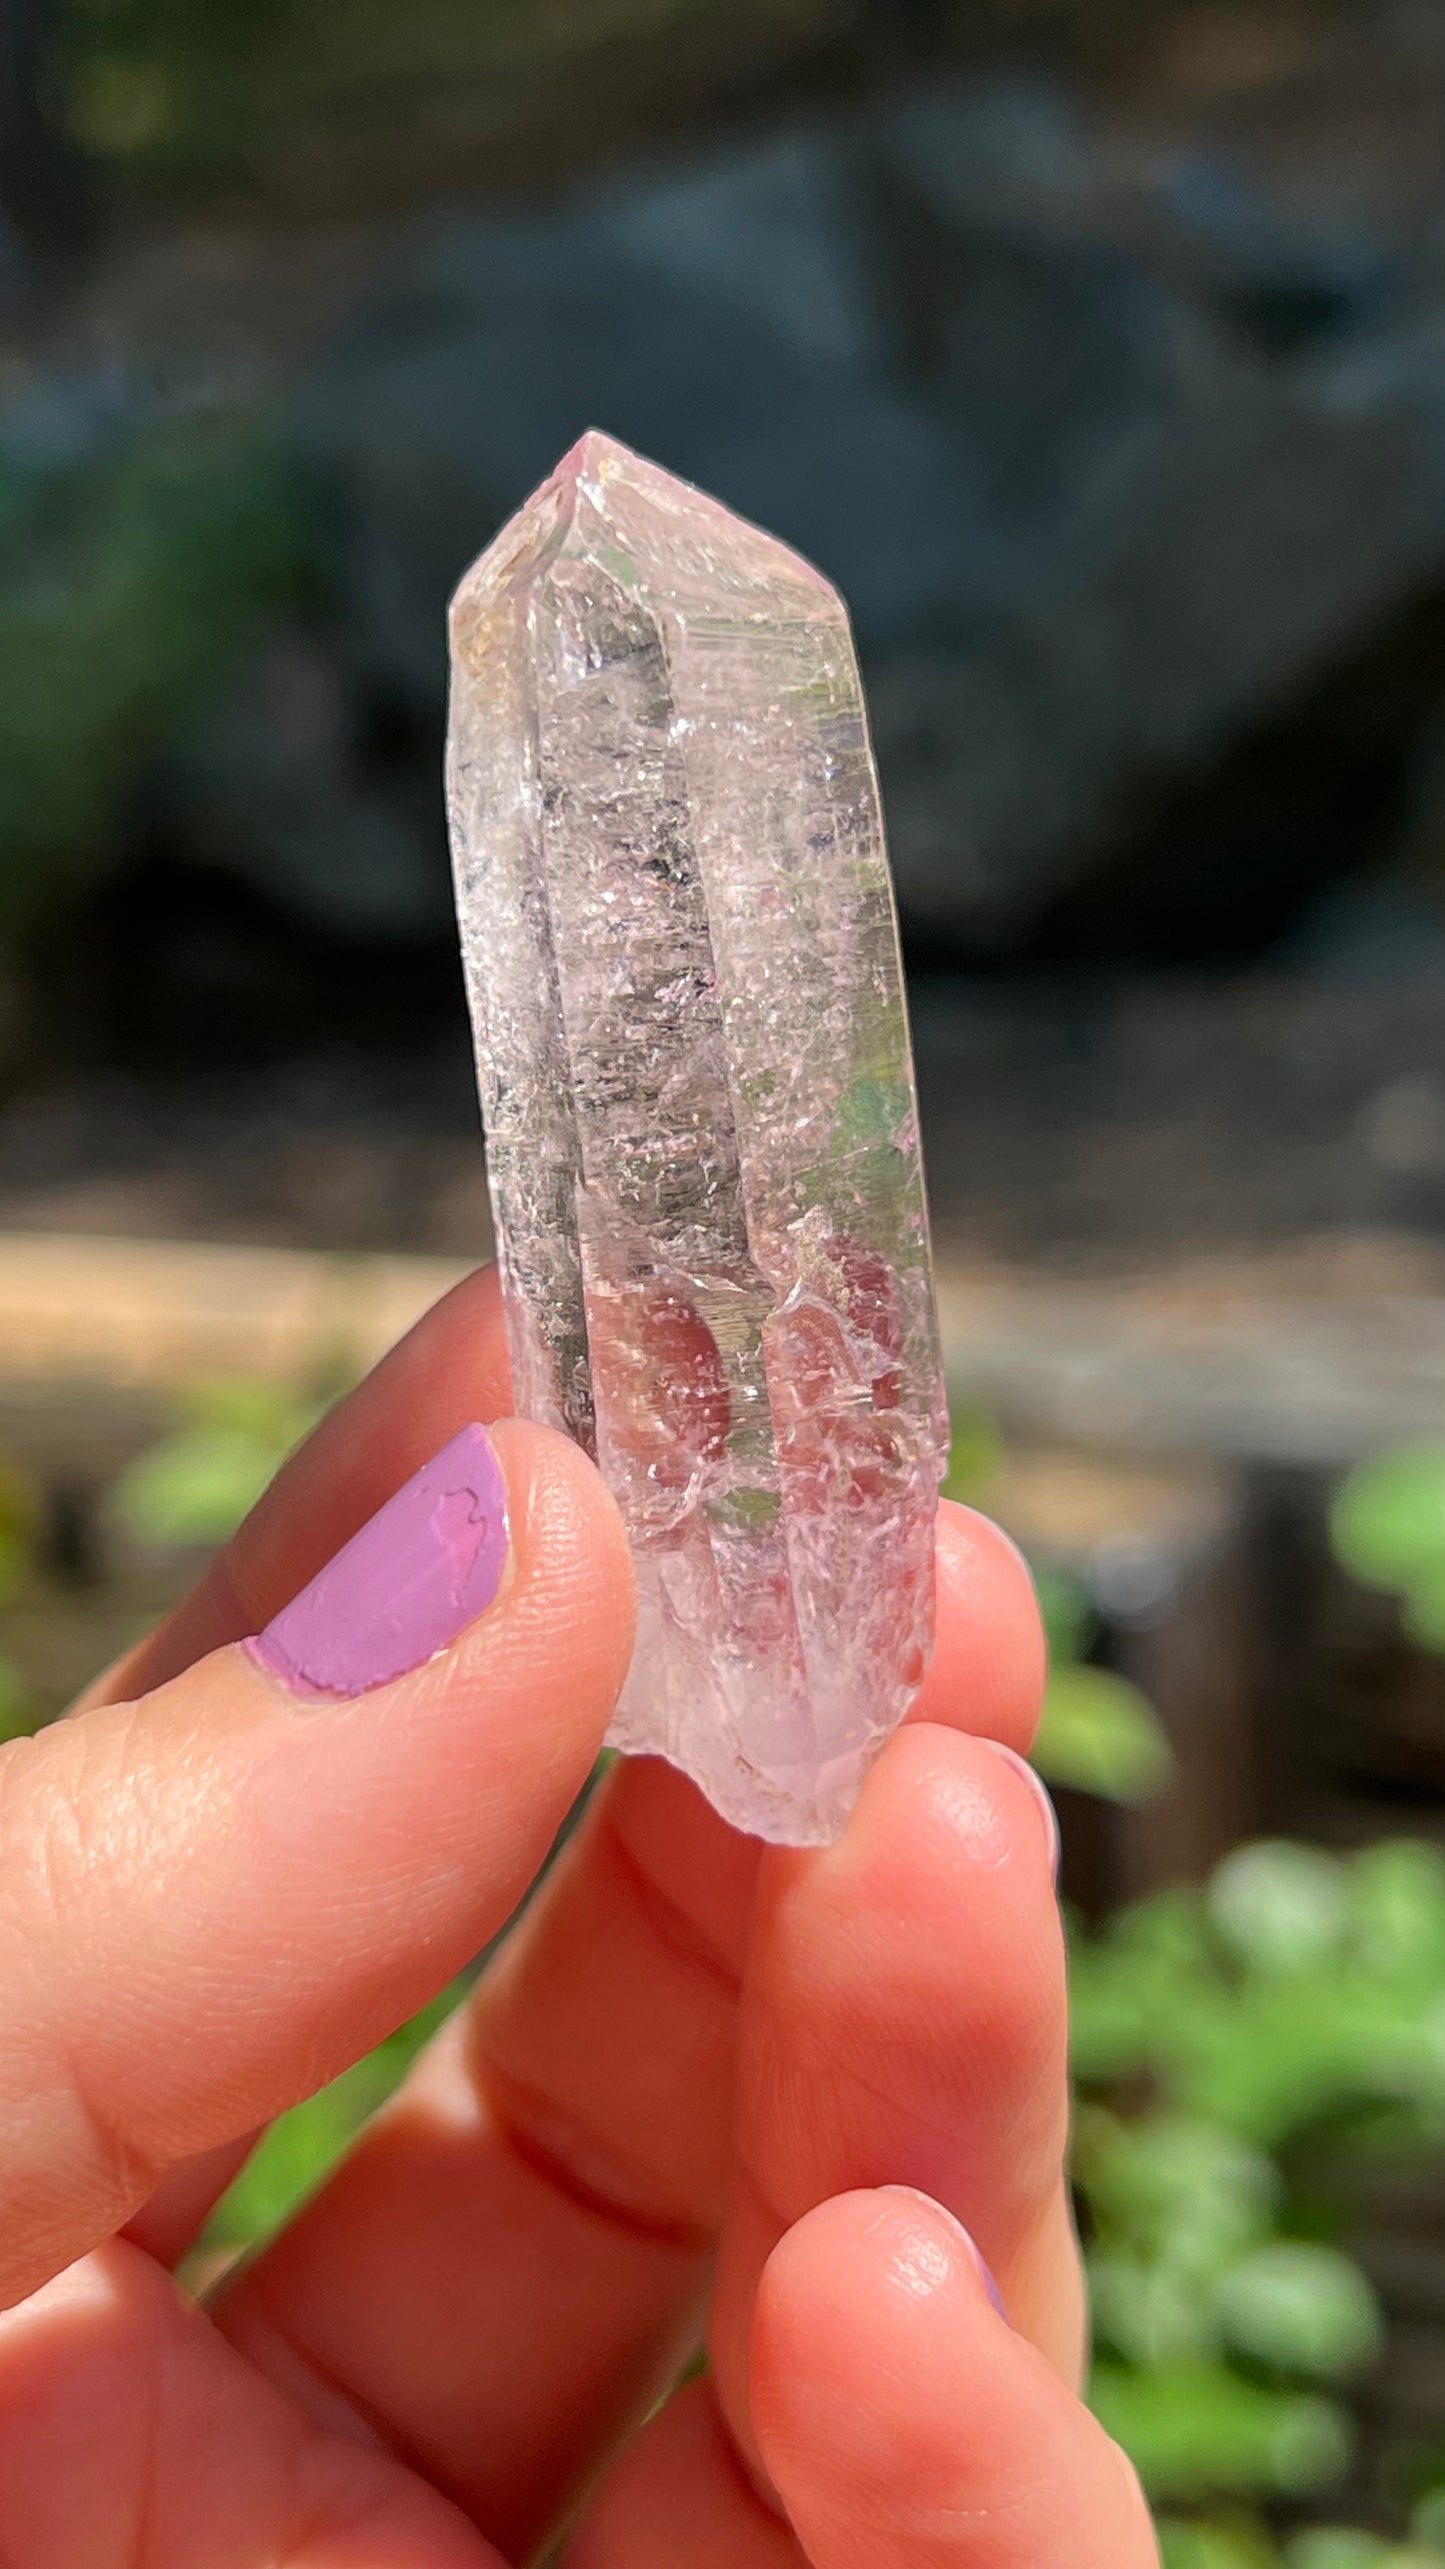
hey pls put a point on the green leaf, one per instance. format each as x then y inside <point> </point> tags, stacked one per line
<point>1150,2313</point>
<point>1387,1524</point>
<point>1132,1987</point>
<point>1169,2186</point>
<point>1425,1608</point>
<point>1109,2019</point>
<point>17,1709</point>
<point>1301,2309</point>
<point>1427,2522</point>
<point>1279,1907</point>
<point>1184,2545</point>
<point>253,1405</point>
<point>1068,1615</point>
<point>20,1515</point>
<point>294,2156</point>
<point>975,1452</point>
<point>1395,1905</point>
<point>1098,1734</point>
<point>1167,1931</point>
<point>129,574</point>
<point>1194,2428</point>
<point>1341,2547</point>
<point>299,2150</point>
<point>1277,2053</point>
<point>1301,1998</point>
<point>195,1486</point>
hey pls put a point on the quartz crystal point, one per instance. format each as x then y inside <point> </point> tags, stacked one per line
<point>682,960</point>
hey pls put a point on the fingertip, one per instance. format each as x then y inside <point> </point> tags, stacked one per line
<point>988,1614</point>
<point>1041,1798</point>
<point>865,2307</point>
<point>450,1366</point>
<point>900,2418</point>
<point>499,1543</point>
<point>989,1661</point>
<point>940,1811</point>
<point>856,2258</point>
<point>574,1583</point>
<point>512,1712</point>
<point>918,1961</point>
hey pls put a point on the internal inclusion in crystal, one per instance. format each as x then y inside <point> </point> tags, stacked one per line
<point>682,962</point>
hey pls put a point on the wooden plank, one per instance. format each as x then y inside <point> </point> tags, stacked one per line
<point>149,1313</point>
<point>1139,1369</point>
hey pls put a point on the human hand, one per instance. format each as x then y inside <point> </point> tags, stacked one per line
<point>703,2084</point>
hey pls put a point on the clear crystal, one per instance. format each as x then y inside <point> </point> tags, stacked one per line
<point>682,960</point>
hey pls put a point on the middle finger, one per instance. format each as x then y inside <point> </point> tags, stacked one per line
<point>904,2023</point>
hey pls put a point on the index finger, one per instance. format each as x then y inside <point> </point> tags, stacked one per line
<point>451,1367</point>
<point>219,1895</point>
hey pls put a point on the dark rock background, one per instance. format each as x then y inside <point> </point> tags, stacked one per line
<point>1101,365</point>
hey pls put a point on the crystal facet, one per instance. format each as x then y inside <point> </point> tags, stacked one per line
<point>682,961</point>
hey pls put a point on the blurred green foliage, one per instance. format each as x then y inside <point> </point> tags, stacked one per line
<point>975,1452</point>
<point>1324,2549</point>
<point>176,93</point>
<point>1388,1530</point>
<point>20,1520</point>
<point>301,2147</point>
<point>230,1438</point>
<point>1242,2054</point>
<point>136,554</point>
<point>1240,2545</point>
<point>1097,1733</point>
<point>17,1704</point>
<point>20,1514</point>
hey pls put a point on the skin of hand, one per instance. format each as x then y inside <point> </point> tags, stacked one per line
<point>706,2092</point>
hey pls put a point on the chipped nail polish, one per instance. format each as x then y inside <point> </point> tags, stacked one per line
<point>418,1572</point>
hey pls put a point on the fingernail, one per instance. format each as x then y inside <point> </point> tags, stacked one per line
<point>965,2238</point>
<point>424,1567</point>
<point>1041,1794</point>
<point>985,2276</point>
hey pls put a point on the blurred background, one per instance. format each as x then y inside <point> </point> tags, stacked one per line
<point>1098,354</point>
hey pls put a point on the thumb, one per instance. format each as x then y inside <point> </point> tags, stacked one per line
<point>217,1896</point>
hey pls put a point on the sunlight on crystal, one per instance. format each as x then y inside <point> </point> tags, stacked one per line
<point>682,961</point>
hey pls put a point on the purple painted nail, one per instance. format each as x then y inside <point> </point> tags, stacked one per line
<point>1041,1794</point>
<point>423,1568</point>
